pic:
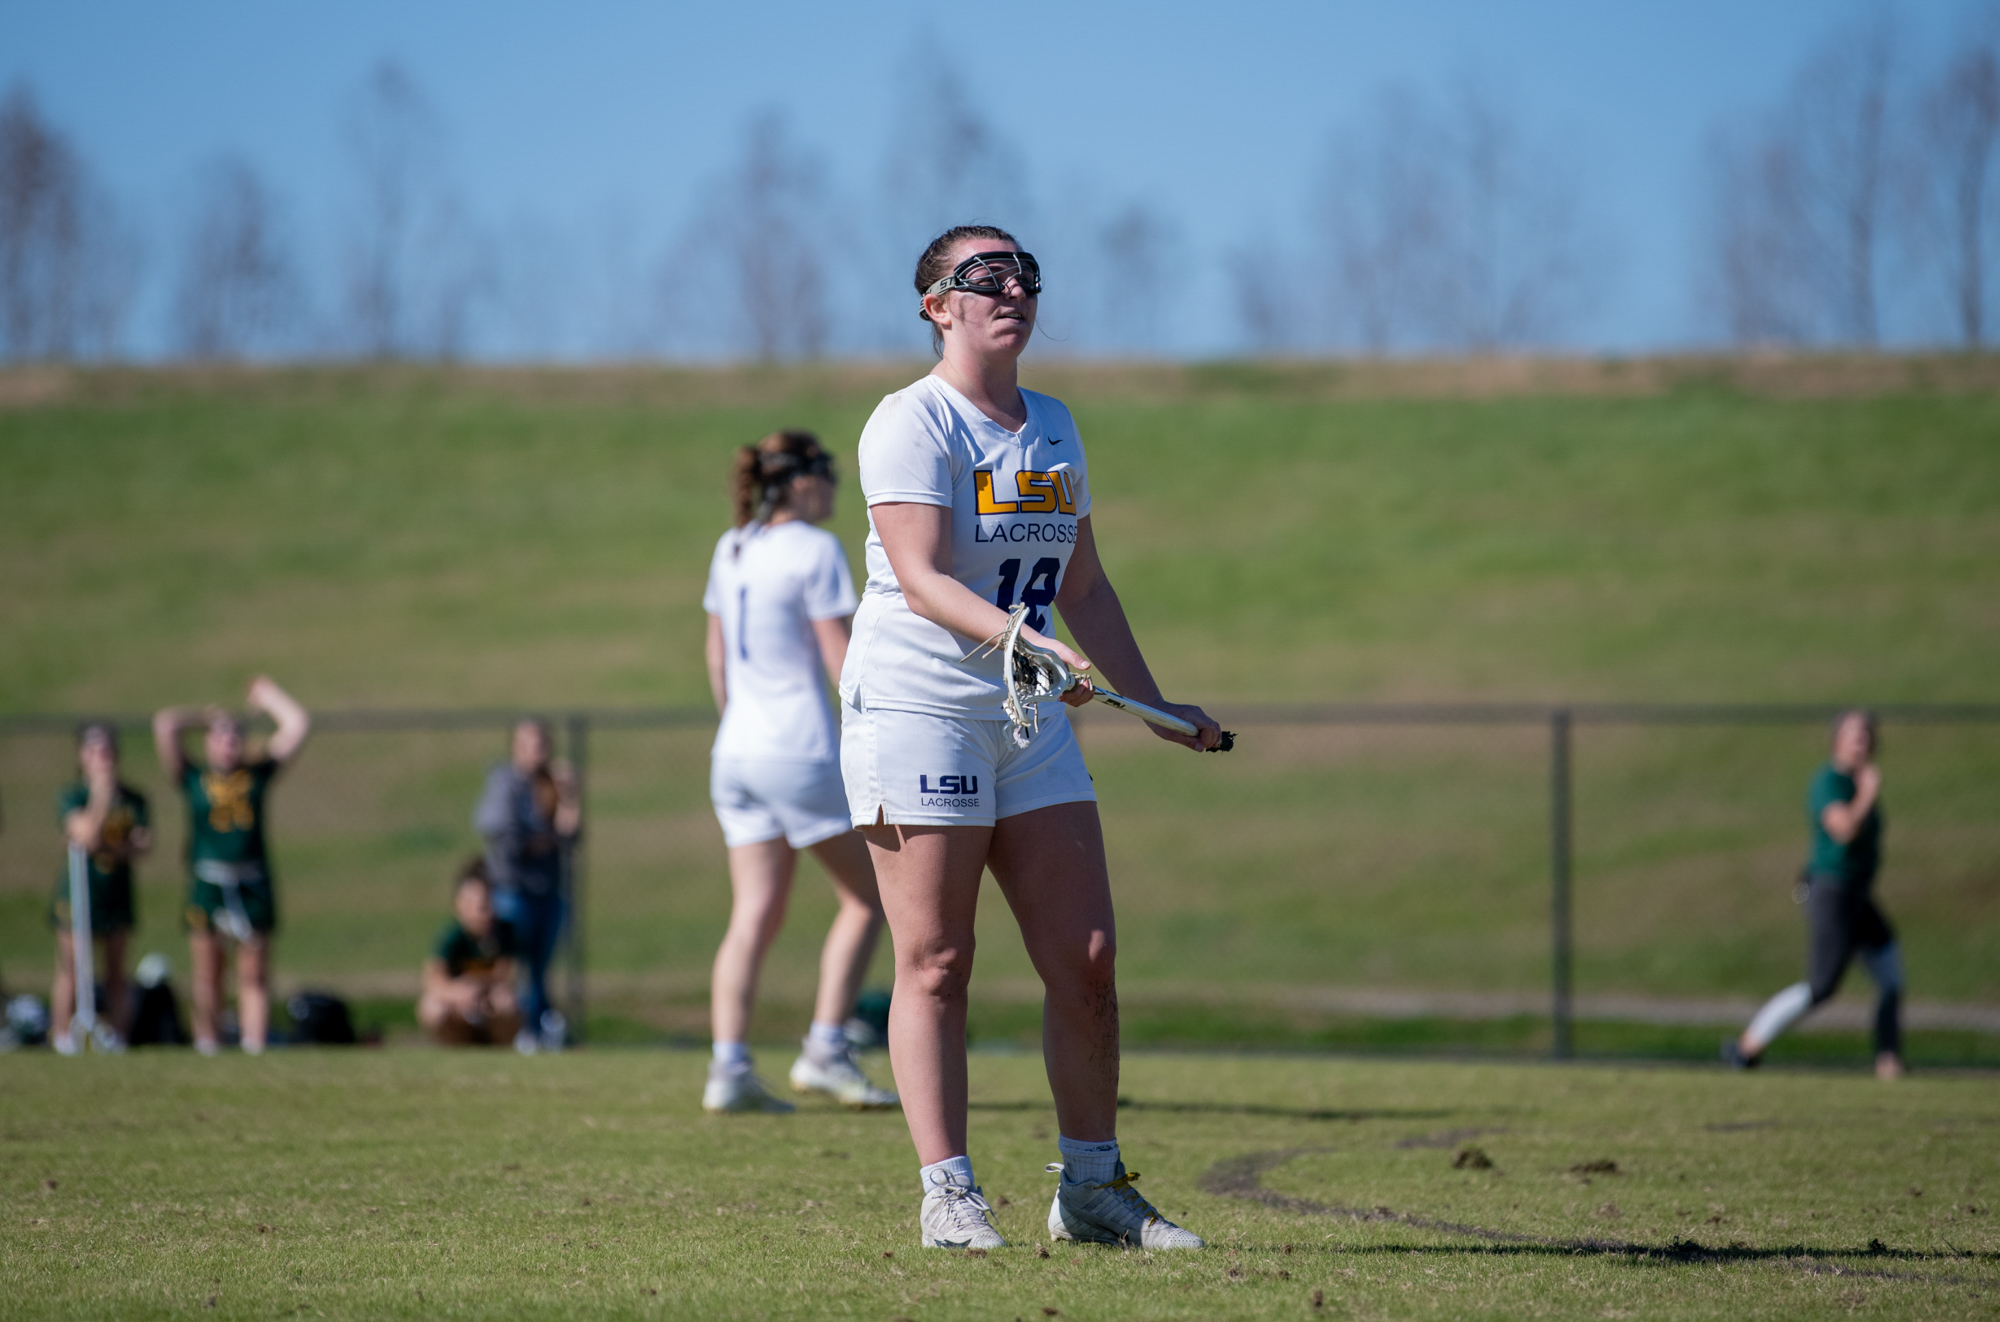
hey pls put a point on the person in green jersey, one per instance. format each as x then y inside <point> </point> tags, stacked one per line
<point>230,899</point>
<point>110,821</point>
<point>1844,809</point>
<point>468,996</point>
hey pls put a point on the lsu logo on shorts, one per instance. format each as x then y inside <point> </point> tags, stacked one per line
<point>956,791</point>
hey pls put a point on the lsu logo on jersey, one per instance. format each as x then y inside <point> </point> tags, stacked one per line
<point>1035,492</point>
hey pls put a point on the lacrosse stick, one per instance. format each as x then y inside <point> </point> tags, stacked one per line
<point>84,1020</point>
<point>1036,676</point>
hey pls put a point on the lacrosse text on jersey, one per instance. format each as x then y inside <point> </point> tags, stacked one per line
<point>959,791</point>
<point>1014,501</point>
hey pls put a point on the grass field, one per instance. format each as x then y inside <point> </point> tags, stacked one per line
<point>1823,532</point>
<point>422,1184</point>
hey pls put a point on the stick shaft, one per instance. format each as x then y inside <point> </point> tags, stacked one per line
<point>1152,715</point>
<point>85,1016</point>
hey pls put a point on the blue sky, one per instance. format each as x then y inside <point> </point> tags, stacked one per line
<point>562,116</point>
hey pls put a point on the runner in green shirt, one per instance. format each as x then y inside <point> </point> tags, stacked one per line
<point>468,996</point>
<point>230,897</point>
<point>111,821</point>
<point>1844,810</point>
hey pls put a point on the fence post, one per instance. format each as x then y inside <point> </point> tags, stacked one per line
<point>574,941</point>
<point>1563,1045</point>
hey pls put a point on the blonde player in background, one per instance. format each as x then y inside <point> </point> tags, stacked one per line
<point>978,503</point>
<point>230,893</point>
<point>778,600</point>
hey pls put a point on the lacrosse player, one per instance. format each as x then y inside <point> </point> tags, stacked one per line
<point>110,821</point>
<point>978,506</point>
<point>229,891</point>
<point>778,600</point>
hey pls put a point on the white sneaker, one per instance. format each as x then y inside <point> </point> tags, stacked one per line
<point>734,1089</point>
<point>839,1077</point>
<point>105,1040</point>
<point>1112,1213</point>
<point>527,1043</point>
<point>955,1217</point>
<point>555,1031</point>
<point>64,1043</point>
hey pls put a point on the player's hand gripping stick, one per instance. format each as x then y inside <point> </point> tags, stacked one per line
<point>1036,676</point>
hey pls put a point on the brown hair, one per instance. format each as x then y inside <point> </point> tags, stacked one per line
<point>104,730</point>
<point>936,264</point>
<point>760,476</point>
<point>472,872</point>
<point>1867,719</point>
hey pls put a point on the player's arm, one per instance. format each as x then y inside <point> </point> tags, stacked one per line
<point>716,651</point>
<point>917,539</point>
<point>85,826</point>
<point>294,724</point>
<point>832,635</point>
<point>460,993</point>
<point>1843,820</point>
<point>1090,606</point>
<point>168,722</point>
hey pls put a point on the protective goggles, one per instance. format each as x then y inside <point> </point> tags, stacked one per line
<point>988,273</point>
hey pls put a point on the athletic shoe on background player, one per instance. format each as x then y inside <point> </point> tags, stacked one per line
<point>839,1076</point>
<point>956,1217</point>
<point>1112,1213</point>
<point>555,1031</point>
<point>734,1088</point>
<point>1732,1056</point>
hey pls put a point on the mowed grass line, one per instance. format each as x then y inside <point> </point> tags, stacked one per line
<point>394,1184</point>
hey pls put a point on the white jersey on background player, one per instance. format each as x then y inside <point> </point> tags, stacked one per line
<point>778,601</point>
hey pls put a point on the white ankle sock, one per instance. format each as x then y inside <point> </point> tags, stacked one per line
<point>1093,1161</point>
<point>732,1053</point>
<point>952,1170</point>
<point>830,1038</point>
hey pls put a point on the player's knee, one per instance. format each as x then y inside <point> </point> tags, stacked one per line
<point>942,973</point>
<point>1885,965</point>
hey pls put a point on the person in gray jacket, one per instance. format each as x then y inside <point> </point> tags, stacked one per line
<point>531,816</point>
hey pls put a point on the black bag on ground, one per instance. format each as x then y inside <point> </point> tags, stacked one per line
<point>156,1016</point>
<point>320,1019</point>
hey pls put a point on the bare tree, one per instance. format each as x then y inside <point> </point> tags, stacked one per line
<point>1260,277</point>
<point>758,248</point>
<point>1799,200</point>
<point>1135,270</point>
<point>68,267</point>
<point>415,266</point>
<point>237,290</point>
<point>1960,128</point>
<point>1442,225</point>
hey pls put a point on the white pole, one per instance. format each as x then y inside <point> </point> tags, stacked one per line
<point>85,1019</point>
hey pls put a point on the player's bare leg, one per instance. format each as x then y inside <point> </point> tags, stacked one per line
<point>929,879</point>
<point>826,1063</point>
<point>117,1009</point>
<point>253,991</point>
<point>62,989</point>
<point>760,884</point>
<point>205,988</point>
<point>1050,866</point>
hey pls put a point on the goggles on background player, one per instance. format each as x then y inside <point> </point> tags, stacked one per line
<point>988,273</point>
<point>778,470</point>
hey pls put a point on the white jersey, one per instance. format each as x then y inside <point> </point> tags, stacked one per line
<point>767,585</point>
<point>1014,497</point>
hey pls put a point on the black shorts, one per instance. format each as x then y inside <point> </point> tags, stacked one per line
<point>1845,922</point>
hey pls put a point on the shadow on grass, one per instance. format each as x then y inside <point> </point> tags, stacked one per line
<point>1242,1177</point>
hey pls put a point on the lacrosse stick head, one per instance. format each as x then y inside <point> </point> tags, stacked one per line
<point>1033,676</point>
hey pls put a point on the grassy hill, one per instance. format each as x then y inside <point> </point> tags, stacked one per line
<point>1814,530</point>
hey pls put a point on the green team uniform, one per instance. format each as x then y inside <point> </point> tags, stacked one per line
<point>464,954</point>
<point>229,888</point>
<point>1855,863</point>
<point>110,870</point>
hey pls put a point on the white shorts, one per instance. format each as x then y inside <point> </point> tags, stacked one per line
<point>907,768</point>
<point>762,798</point>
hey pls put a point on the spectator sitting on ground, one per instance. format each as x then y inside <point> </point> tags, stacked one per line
<point>468,996</point>
<point>530,815</point>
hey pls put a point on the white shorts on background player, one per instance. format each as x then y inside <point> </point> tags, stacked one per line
<point>762,798</point>
<point>908,768</point>
<point>774,768</point>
